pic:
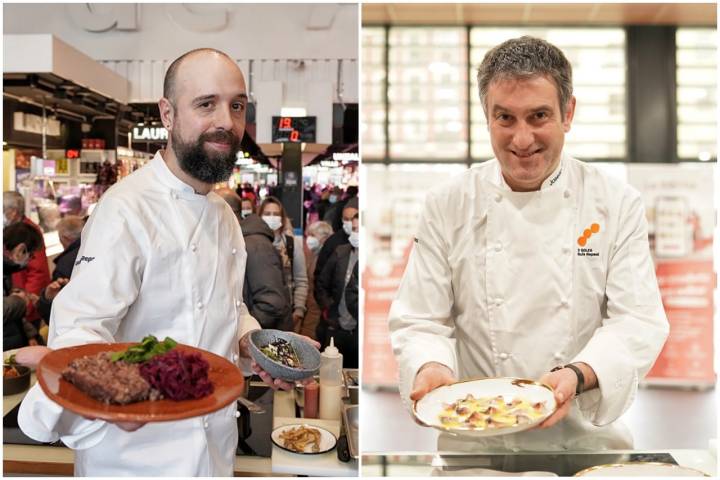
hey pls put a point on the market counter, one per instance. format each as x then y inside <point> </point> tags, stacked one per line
<point>418,464</point>
<point>58,460</point>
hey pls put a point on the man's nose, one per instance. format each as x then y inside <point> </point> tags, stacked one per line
<point>224,118</point>
<point>523,136</point>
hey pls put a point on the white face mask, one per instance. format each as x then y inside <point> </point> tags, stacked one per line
<point>313,244</point>
<point>332,198</point>
<point>347,227</point>
<point>245,213</point>
<point>272,221</point>
<point>354,239</point>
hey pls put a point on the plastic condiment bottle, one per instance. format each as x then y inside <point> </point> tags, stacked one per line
<point>311,400</point>
<point>331,382</point>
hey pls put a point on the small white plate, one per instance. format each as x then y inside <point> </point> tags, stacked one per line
<point>327,439</point>
<point>640,469</point>
<point>8,353</point>
<point>428,408</point>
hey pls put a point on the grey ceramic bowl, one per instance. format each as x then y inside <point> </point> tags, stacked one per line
<point>308,355</point>
<point>13,385</point>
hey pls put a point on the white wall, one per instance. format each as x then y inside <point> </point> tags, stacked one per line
<point>139,41</point>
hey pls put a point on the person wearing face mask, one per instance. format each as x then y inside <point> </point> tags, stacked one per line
<point>265,290</point>
<point>290,249</point>
<point>317,234</point>
<point>533,265</point>
<point>337,294</point>
<point>20,240</point>
<point>247,207</point>
<point>36,276</point>
<point>323,204</point>
<point>340,237</point>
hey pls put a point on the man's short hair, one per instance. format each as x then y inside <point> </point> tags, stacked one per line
<point>352,203</point>
<point>70,226</point>
<point>524,58</point>
<point>14,200</point>
<point>21,232</point>
<point>169,82</point>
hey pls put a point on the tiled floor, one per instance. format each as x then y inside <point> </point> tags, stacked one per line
<point>660,418</point>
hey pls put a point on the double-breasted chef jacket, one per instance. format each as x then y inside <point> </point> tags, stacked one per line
<point>511,284</point>
<point>156,258</point>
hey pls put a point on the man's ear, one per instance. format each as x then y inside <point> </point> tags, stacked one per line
<point>569,114</point>
<point>167,113</point>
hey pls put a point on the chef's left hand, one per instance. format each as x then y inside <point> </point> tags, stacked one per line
<point>274,383</point>
<point>564,383</point>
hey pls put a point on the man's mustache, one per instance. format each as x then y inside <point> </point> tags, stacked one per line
<point>220,136</point>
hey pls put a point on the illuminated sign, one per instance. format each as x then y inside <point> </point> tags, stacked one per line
<point>72,153</point>
<point>293,129</point>
<point>329,163</point>
<point>346,156</point>
<point>149,134</point>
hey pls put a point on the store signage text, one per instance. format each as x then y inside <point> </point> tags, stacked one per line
<point>149,133</point>
<point>346,156</point>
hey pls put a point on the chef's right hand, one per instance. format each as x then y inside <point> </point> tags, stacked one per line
<point>431,376</point>
<point>31,356</point>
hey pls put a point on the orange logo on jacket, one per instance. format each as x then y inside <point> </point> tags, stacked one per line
<point>587,233</point>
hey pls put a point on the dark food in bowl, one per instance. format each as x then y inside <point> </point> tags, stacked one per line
<point>109,382</point>
<point>16,379</point>
<point>10,371</point>
<point>281,351</point>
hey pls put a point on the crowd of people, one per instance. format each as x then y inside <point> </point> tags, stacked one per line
<point>28,286</point>
<point>306,284</point>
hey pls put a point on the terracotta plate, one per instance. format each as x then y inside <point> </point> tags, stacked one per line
<point>227,380</point>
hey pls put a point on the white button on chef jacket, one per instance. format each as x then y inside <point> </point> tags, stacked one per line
<point>147,294</point>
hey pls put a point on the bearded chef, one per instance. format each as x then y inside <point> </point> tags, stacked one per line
<point>532,265</point>
<point>164,255</point>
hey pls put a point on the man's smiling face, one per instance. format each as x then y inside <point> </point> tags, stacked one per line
<point>527,129</point>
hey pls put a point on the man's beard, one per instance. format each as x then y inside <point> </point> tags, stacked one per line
<point>194,159</point>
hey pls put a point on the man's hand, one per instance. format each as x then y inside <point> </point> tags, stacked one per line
<point>297,321</point>
<point>31,356</point>
<point>564,383</point>
<point>431,376</point>
<point>54,288</point>
<point>274,383</point>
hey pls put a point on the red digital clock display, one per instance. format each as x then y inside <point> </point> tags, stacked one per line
<point>293,129</point>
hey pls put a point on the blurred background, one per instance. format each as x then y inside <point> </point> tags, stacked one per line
<point>645,82</point>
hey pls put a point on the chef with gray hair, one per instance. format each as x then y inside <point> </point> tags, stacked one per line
<point>533,265</point>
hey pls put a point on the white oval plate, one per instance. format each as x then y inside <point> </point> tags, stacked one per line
<point>327,439</point>
<point>640,469</point>
<point>428,408</point>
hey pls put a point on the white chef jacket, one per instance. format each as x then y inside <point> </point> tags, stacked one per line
<point>155,258</point>
<point>498,285</point>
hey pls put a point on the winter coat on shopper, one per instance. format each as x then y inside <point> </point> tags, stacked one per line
<point>511,284</point>
<point>331,289</point>
<point>156,258</point>
<point>36,275</point>
<point>265,292</point>
<point>335,240</point>
<point>64,264</point>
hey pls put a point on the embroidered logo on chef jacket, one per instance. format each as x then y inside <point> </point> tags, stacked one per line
<point>84,259</point>
<point>583,240</point>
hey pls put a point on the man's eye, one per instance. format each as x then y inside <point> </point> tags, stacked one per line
<point>238,107</point>
<point>205,104</point>
<point>541,115</point>
<point>503,117</point>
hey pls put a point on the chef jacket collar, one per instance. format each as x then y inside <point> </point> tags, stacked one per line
<point>170,180</point>
<point>553,179</point>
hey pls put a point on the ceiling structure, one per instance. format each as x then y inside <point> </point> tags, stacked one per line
<point>680,14</point>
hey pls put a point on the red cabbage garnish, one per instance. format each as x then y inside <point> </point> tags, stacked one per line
<point>177,375</point>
